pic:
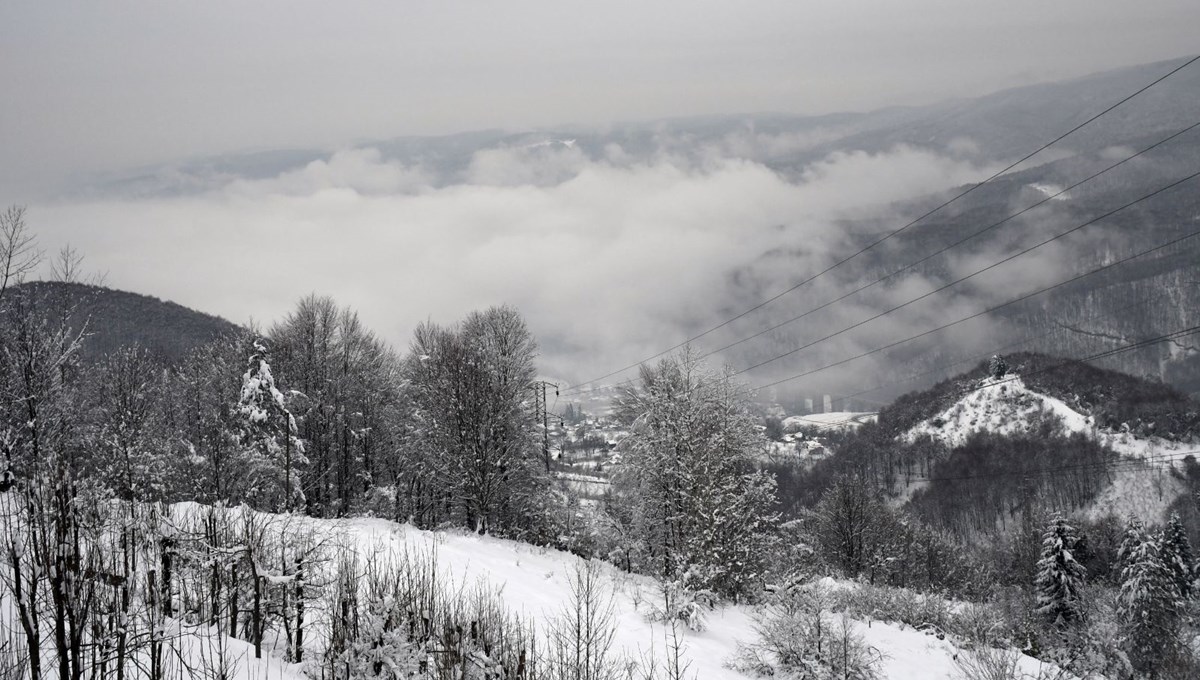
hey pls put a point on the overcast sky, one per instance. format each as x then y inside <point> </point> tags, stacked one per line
<point>98,87</point>
<point>93,85</point>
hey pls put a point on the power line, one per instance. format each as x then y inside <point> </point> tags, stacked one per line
<point>1141,344</point>
<point>979,314</point>
<point>957,243</point>
<point>974,357</point>
<point>893,233</point>
<point>971,275</point>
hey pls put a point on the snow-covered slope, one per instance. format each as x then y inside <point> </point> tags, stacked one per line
<point>535,582</point>
<point>1007,406</point>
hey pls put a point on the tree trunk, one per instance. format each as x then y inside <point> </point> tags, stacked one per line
<point>299,595</point>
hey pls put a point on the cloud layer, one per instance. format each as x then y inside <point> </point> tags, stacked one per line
<point>611,257</point>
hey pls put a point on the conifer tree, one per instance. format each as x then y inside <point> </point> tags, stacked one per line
<point>997,366</point>
<point>268,434</point>
<point>1150,607</point>
<point>1060,578</point>
<point>1135,535</point>
<point>1177,554</point>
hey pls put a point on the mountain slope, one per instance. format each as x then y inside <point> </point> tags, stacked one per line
<point>971,454</point>
<point>113,319</point>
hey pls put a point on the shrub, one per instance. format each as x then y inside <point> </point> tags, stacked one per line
<point>797,636</point>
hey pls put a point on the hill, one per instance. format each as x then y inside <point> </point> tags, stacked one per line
<point>971,453</point>
<point>1111,400</point>
<point>114,319</point>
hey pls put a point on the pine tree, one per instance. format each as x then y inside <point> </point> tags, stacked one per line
<point>997,367</point>
<point>1177,554</point>
<point>1060,578</point>
<point>1135,535</point>
<point>1150,607</point>
<point>268,435</point>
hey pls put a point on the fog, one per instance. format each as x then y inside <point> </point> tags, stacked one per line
<point>121,121</point>
<point>610,258</point>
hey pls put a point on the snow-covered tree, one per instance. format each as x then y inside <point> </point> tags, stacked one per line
<point>129,453</point>
<point>997,366</point>
<point>268,436</point>
<point>1131,541</point>
<point>345,392</point>
<point>698,512</point>
<point>474,458</point>
<point>1177,554</point>
<point>1060,578</point>
<point>1150,606</point>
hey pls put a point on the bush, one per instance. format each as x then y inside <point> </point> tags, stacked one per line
<point>797,636</point>
<point>924,612</point>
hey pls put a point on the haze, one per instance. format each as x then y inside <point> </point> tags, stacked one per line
<point>576,240</point>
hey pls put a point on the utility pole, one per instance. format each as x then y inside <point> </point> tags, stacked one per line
<point>543,407</point>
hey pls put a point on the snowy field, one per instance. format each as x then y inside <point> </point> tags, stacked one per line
<point>536,584</point>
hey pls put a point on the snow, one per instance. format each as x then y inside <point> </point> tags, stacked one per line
<point>1146,493</point>
<point>910,654</point>
<point>535,582</point>
<point>1006,406</point>
<point>830,421</point>
<point>1053,191</point>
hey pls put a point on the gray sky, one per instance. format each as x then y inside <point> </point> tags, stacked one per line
<point>97,85</point>
<point>608,257</point>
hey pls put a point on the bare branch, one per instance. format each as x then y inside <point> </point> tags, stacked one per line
<point>18,254</point>
<point>67,265</point>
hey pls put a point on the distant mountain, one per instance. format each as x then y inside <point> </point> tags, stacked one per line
<point>969,452</point>
<point>1146,298</point>
<point>115,319</point>
<point>1084,396</point>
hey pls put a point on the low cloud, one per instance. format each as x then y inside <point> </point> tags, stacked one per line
<point>611,257</point>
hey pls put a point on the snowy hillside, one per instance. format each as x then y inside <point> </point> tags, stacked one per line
<point>535,584</point>
<point>1007,406</point>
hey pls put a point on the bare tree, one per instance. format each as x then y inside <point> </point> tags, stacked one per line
<point>18,254</point>
<point>66,265</point>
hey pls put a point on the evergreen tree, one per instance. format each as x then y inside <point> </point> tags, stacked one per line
<point>997,366</point>
<point>1150,607</point>
<point>1177,554</point>
<point>1060,578</point>
<point>268,436</point>
<point>1135,535</point>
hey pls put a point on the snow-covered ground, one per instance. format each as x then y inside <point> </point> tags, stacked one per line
<point>1141,492</point>
<point>830,421</point>
<point>588,485</point>
<point>1007,406</point>
<point>536,583</point>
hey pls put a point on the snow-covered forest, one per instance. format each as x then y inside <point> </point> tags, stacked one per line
<point>534,340</point>
<point>302,500</point>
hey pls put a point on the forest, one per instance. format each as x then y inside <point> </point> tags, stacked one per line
<point>142,495</point>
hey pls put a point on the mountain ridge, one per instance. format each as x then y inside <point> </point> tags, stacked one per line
<point>117,319</point>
